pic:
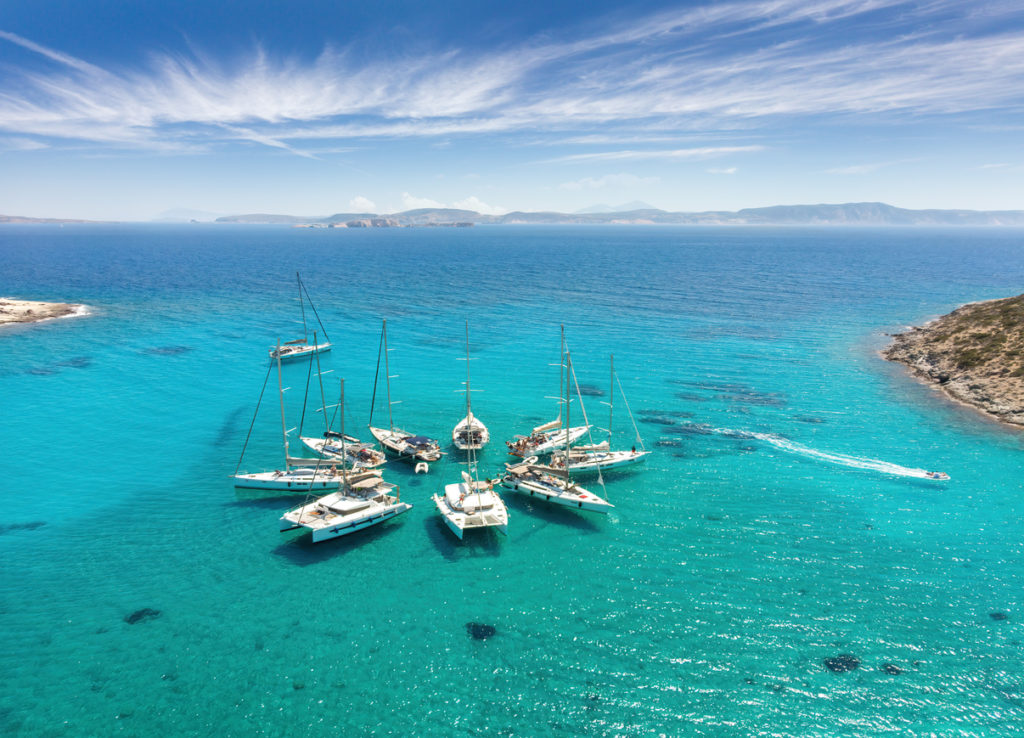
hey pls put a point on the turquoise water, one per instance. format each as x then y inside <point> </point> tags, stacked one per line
<point>772,527</point>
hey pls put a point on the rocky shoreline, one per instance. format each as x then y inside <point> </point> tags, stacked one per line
<point>975,355</point>
<point>30,311</point>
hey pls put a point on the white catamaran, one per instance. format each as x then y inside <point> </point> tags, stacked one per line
<point>550,436</point>
<point>298,475</point>
<point>405,445</point>
<point>597,457</point>
<point>362,500</point>
<point>470,433</point>
<point>301,346</point>
<point>549,483</point>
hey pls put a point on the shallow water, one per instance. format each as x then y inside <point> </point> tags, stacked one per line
<point>733,565</point>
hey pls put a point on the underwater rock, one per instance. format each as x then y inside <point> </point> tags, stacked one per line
<point>168,350</point>
<point>670,442</point>
<point>842,662</point>
<point>78,362</point>
<point>590,390</point>
<point>694,429</point>
<point>998,615</point>
<point>813,419</point>
<point>138,616</point>
<point>42,371</point>
<point>11,527</point>
<point>691,397</point>
<point>480,631</point>
<point>657,420</point>
<point>891,669</point>
<point>298,685</point>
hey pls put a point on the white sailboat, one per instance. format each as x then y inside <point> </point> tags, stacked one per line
<point>471,503</point>
<point>548,437</point>
<point>362,500</point>
<point>338,448</point>
<point>301,346</point>
<point>549,483</point>
<point>405,445</point>
<point>470,433</point>
<point>299,475</point>
<point>597,457</point>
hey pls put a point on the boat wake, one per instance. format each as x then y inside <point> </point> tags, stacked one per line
<point>854,462</point>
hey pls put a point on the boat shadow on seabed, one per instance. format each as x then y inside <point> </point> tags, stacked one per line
<point>298,547</point>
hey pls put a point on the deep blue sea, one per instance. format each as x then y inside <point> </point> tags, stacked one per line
<point>777,523</point>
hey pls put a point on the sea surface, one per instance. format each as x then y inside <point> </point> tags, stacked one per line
<point>781,519</point>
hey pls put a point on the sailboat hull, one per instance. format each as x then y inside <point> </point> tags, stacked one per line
<point>290,353</point>
<point>337,526</point>
<point>283,481</point>
<point>573,497</point>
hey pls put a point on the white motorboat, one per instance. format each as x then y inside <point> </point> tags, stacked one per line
<point>364,501</point>
<point>299,475</point>
<point>472,503</point>
<point>407,446</point>
<point>301,347</point>
<point>470,433</point>
<point>598,457</point>
<point>551,485</point>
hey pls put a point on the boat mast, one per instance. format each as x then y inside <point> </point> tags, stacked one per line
<point>302,306</point>
<point>323,397</point>
<point>469,409</point>
<point>280,392</point>
<point>344,455</point>
<point>611,398</point>
<point>568,369</point>
<point>387,373</point>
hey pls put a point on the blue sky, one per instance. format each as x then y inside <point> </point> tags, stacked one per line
<point>119,110</point>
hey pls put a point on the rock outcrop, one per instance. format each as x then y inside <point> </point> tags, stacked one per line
<point>975,354</point>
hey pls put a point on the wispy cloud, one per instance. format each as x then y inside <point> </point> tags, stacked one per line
<point>621,180</point>
<point>362,204</point>
<point>1001,165</point>
<point>726,65</point>
<point>722,170</point>
<point>855,169</point>
<point>411,202</point>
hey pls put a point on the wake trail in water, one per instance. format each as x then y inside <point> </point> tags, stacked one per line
<point>854,462</point>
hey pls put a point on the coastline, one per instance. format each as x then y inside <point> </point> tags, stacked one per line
<point>973,355</point>
<point>19,312</point>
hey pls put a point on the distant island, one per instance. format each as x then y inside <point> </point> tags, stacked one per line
<point>975,354</point>
<point>847,214</point>
<point>851,214</point>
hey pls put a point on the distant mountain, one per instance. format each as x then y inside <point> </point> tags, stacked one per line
<point>24,219</point>
<point>862,213</point>
<point>624,208</point>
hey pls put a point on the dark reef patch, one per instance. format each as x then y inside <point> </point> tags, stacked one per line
<point>12,527</point>
<point>146,613</point>
<point>42,371</point>
<point>841,663</point>
<point>999,615</point>
<point>480,631</point>
<point>669,442</point>
<point>691,397</point>
<point>590,390</point>
<point>657,420</point>
<point>167,350</point>
<point>813,419</point>
<point>77,362</point>
<point>693,429</point>
<point>891,669</point>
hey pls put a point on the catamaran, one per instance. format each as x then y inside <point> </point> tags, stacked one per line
<point>596,457</point>
<point>399,442</point>
<point>298,474</point>
<point>549,483</point>
<point>363,499</point>
<point>301,346</point>
<point>546,438</point>
<point>470,433</point>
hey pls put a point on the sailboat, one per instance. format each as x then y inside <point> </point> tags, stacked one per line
<point>296,475</point>
<point>404,445</point>
<point>549,483</point>
<point>597,457</point>
<point>301,346</point>
<point>547,437</point>
<point>470,433</point>
<point>363,499</point>
<point>471,503</point>
<point>339,448</point>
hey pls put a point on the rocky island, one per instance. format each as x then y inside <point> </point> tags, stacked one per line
<point>30,311</point>
<point>975,354</point>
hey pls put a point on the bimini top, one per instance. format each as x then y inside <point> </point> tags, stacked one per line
<point>419,440</point>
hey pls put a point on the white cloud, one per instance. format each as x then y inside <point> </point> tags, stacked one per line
<point>723,170</point>
<point>474,203</point>
<point>16,143</point>
<point>855,169</point>
<point>994,166</point>
<point>714,66</point>
<point>362,204</point>
<point>608,180</point>
<point>410,202</point>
